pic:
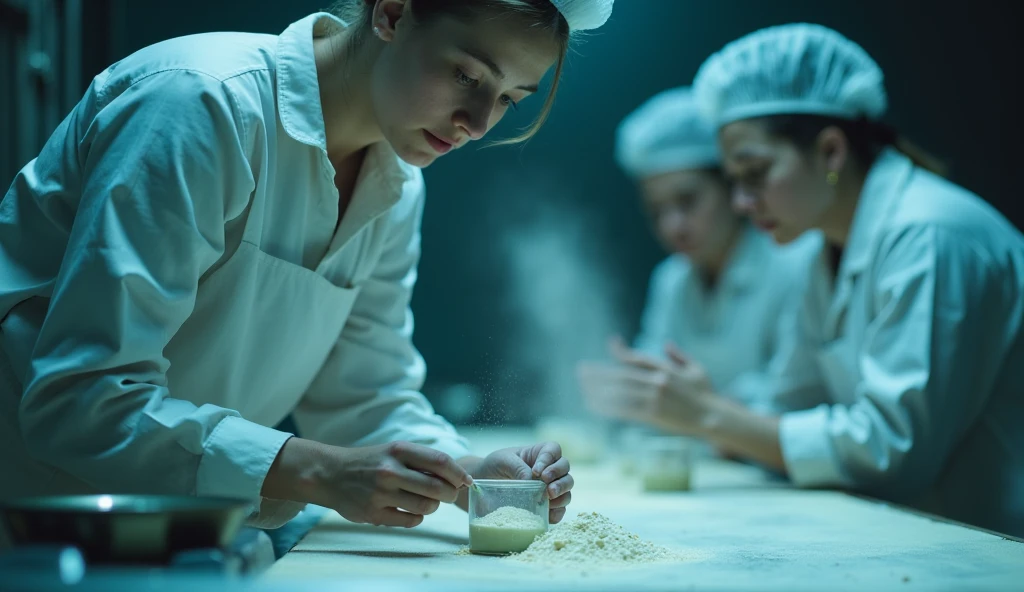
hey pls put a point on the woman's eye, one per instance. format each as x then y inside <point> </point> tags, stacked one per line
<point>507,101</point>
<point>463,79</point>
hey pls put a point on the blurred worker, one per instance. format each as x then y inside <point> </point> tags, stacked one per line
<point>723,289</point>
<point>912,339</point>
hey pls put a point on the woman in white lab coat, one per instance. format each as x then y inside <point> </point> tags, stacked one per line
<point>911,334</point>
<point>225,231</point>
<point>722,291</point>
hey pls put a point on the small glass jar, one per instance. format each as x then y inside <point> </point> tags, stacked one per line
<point>505,516</point>
<point>666,463</point>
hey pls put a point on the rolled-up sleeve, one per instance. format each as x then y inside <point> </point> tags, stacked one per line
<point>163,165</point>
<point>929,358</point>
<point>367,392</point>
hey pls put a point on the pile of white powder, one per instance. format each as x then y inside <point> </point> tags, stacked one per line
<point>592,539</point>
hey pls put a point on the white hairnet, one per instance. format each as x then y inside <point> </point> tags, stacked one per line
<point>790,69</point>
<point>584,14</point>
<point>666,133</point>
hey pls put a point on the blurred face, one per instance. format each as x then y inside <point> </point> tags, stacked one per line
<point>440,84</point>
<point>782,189</point>
<point>690,213</point>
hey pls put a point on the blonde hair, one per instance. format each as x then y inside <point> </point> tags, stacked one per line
<point>536,14</point>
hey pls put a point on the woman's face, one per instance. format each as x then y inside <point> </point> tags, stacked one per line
<point>690,212</point>
<point>783,189</point>
<point>440,84</point>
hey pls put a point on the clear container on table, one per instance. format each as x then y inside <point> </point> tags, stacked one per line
<point>666,463</point>
<point>505,516</point>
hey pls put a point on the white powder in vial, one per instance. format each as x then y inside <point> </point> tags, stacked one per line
<point>505,530</point>
<point>593,539</point>
<point>511,517</point>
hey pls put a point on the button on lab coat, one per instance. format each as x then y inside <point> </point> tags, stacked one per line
<point>916,351</point>
<point>172,282</point>
<point>738,328</point>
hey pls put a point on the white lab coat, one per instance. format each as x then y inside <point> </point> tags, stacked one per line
<point>738,328</point>
<point>916,351</point>
<point>171,282</point>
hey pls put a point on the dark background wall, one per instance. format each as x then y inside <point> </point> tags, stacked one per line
<point>534,254</point>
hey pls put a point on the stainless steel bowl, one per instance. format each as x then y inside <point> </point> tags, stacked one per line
<point>124,528</point>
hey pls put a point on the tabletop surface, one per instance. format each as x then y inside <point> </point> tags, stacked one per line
<point>738,529</point>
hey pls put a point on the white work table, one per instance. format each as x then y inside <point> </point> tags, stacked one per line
<point>740,529</point>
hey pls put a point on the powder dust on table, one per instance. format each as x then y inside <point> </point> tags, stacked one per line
<point>592,539</point>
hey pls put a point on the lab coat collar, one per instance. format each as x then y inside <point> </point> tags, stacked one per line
<point>881,193</point>
<point>382,182</point>
<point>298,95</point>
<point>298,90</point>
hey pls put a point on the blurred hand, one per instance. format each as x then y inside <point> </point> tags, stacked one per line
<point>675,395</point>
<point>541,461</point>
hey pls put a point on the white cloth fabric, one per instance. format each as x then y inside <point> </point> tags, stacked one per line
<point>666,133</point>
<point>916,352</point>
<point>171,282</point>
<point>738,329</point>
<point>787,69</point>
<point>582,15</point>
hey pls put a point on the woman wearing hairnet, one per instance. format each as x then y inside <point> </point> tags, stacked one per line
<point>721,293</point>
<point>225,231</point>
<point>910,336</point>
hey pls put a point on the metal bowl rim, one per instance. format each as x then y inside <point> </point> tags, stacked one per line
<point>122,504</point>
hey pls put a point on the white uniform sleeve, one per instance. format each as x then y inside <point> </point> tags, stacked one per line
<point>367,393</point>
<point>655,324</point>
<point>930,356</point>
<point>161,162</point>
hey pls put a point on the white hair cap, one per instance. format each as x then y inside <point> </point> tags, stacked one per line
<point>790,69</point>
<point>584,14</point>
<point>666,133</point>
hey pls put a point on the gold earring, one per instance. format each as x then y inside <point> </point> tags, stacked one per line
<point>832,178</point>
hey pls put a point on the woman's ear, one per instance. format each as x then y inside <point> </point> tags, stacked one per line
<point>386,14</point>
<point>834,148</point>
